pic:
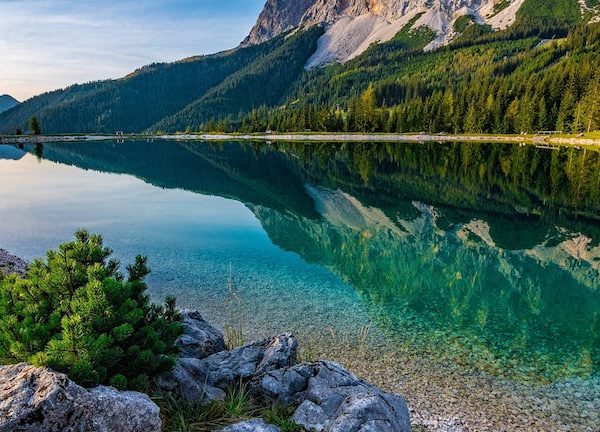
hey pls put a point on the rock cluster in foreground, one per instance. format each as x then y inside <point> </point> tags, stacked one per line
<point>326,397</point>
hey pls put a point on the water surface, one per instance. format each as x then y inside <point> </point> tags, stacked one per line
<point>485,257</point>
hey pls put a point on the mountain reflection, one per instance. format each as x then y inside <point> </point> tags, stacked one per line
<point>488,253</point>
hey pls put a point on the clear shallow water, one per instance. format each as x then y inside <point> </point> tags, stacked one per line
<point>483,256</point>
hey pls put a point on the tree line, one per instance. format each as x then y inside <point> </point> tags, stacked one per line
<point>511,86</point>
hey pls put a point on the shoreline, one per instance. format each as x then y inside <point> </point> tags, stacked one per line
<point>538,140</point>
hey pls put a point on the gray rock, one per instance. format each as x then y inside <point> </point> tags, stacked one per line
<point>40,400</point>
<point>199,338</point>
<point>255,425</point>
<point>198,381</point>
<point>114,410</point>
<point>12,264</point>
<point>331,399</point>
<point>187,382</point>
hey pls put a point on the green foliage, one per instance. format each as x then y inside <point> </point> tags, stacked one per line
<point>559,13</point>
<point>409,38</point>
<point>34,126</point>
<point>238,401</point>
<point>260,83</point>
<point>280,416</point>
<point>137,101</point>
<point>518,84</point>
<point>505,86</point>
<point>500,5</point>
<point>462,22</point>
<point>76,313</point>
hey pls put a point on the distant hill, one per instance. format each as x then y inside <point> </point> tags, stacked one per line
<point>7,102</point>
<point>498,66</point>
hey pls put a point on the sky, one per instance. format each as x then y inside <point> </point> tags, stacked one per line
<point>50,44</point>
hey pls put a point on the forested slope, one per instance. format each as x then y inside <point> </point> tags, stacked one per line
<point>541,73</point>
<point>135,102</point>
<point>262,82</point>
<point>496,83</point>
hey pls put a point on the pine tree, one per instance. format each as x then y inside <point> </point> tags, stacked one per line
<point>76,313</point>
<point>591,103</point>
<point>34,126</point>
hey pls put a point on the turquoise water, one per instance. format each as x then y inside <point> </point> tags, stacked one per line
<point>488,255</point>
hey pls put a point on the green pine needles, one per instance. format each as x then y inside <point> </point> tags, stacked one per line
<point>76,313</point>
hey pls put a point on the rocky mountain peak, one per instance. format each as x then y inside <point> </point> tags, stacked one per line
<point>353,25</point>
<point>278,16</point>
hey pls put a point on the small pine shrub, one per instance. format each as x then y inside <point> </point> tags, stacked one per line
<point>76,313</point>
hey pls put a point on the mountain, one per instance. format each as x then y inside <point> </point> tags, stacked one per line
<point>135,102</point>
<point>383,65</point>
<point>353,25</point>
<point>262,82</point>
<point>7,102</point>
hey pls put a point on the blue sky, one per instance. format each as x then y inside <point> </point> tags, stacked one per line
<point>49,44</point>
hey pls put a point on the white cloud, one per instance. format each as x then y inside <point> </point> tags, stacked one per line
<point>49,44</point>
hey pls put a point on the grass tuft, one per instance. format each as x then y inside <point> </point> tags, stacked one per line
<point>234,330</point>
<point>237,406</point>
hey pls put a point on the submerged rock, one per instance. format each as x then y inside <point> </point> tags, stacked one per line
<point>329,398</point>
<point>198,381</point>
<point>199,338</point>
<point>39,400</point>
<point>255,425</point>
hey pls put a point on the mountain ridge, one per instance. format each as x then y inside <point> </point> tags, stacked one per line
<point>353,25</point>
<point>7,102</point>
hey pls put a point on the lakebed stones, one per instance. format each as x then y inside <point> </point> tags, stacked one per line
<point>254,425</point>
<point>199,338</point>
<point>331,399</point>
<point>39,400</point>
<point>198,381</point>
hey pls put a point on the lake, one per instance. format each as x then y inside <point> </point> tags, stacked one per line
<point>463,275</point>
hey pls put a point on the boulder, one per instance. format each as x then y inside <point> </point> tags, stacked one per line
<point>331,399</point>
<point>199,338</point>
<point>187,382</point>
<point>255,425</point>
<point>198,381</point>
<point>40,400</point>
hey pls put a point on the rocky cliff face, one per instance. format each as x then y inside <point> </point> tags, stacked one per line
<point>278,16</point>
<point>352,25</point>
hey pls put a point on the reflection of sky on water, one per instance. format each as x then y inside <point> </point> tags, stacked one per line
<point>193,242</point>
